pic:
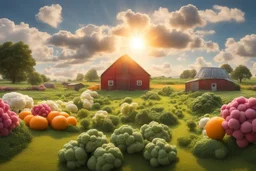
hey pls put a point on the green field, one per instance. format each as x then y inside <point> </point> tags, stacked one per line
<point>41,153</point>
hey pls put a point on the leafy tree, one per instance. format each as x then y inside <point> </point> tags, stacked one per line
<point>227,67</point>
<point>35,78</point>
<point>44,78</point>
<point>193,73</point>
<point>79,77</point>
<point>241,72</point>
<point>91,75</point>
<point>15,61</point>
<point>188,74</point>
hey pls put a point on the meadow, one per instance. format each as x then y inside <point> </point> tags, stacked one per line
<point>41,153</point>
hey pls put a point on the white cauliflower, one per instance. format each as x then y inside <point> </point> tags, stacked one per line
<point>94,94</point>
<point>87,100</point>
<point>54,106</point>
<point>71,107</point>
<point>203,122</point>
<point>87,104</point>
<point>61,104</point>
<point>18,101</point>
<point>100,115</point>
<point>86,95</point>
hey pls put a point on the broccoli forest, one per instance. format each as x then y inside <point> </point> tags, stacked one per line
<point>127,85</point>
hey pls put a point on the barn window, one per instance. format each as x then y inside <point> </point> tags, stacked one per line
<point>110,83</point>
<point>139,82</point>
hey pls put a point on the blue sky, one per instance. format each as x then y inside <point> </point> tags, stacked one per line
<point>72,36</point>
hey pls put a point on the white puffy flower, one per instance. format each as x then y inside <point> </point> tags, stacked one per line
<point>203,122</point>
<point>54,106</point>
<point>71,107</point>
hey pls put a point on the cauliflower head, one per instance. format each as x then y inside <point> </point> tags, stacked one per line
<point>71,107</point>
<point>52,104</point>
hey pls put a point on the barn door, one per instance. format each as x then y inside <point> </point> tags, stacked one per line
<point>214,87</point>
<point>123,82</point>
<point>194,86</point>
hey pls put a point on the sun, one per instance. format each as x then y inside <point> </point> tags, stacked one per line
<point>137,43</point>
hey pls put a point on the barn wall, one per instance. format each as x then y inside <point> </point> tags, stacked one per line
<point>222,85</point>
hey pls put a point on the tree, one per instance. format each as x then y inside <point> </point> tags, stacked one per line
<point>241,72</point>
<point>188,74</point>
<point>15,61</point>
<point>193,73</point>
<point>35,78</point>
<point>227,67</point>
<point>44,78</point>
<point>79,77</point>
<point>91,75</point>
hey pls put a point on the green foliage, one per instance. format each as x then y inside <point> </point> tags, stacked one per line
<point>186,141</point>
<point>34,78</point>
<point>209,148</point>
<point>114,119</point>
<point>249,153</point>
<point>96,106</point>
<point>102,122</point>
<point>157,109</point>
<point>73,155</point>
<point>100,101</point>
<point>91,75</point>
<point>179,114</point>
<point>16,61</point>
<point>127,139</point>
<point>127,100</point>
<point>166,91</point>
<point>91,140</point>
<point>79,77</point>
<point>188,74</point>
<point>241,72</point>
<point>108,109</point>
<point>230,143</point>
<point>143,117</point>
<point>151,95</point>
<point>128,118</point>
<point>15,142</point>
<point>206,103</point>
<point>159,152</point>
<point>105,158</point>
<point>44,78</point>
<point>168,118</point>
<point>82,113</point>
<point>85,123</point>
<point>191,124</point>
<point>155,130</point>
<point>72,128</point>
<point>227,67</point>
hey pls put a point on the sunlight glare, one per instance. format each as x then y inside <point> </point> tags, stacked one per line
<point>137,43</point>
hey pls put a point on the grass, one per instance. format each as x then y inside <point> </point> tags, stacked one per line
<point>41,153</point>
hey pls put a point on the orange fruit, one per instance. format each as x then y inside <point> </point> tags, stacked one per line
<point>214,128</point>
<point>23,114</point>
<point>59,123</point>
<point>64,114</point>
<point>72,120</point>
<point>38,123</point>
<point>27,119</point>
<point>52,115</point>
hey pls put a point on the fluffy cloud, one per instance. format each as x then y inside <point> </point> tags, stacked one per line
<point>50,15</point>
<point>254,69</point>
<point>186,18</point>
<point>199,63</point>
<point>222,13</point>
<point>36,39</point>
<point>158,53</point>
<point>238,51</point>
<point>161,69</point>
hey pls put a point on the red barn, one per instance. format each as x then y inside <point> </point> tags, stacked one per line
<point>213,79</point>
<point>125,74</point>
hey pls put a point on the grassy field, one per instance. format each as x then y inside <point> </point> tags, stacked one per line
<point>41,153</point>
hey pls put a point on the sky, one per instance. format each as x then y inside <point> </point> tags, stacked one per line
<point>164,36</point>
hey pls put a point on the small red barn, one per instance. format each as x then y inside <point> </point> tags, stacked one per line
<point>213,79</point>
<point>125,74</point>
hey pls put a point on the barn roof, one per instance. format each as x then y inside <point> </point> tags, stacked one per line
<point>212,73</point>
<point>122,58</point>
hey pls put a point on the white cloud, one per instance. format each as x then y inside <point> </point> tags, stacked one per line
<point>199,63</point>
<point>222,13</point>
<point>161,69</point>
<point>50,15</point>
<point>36,39</point>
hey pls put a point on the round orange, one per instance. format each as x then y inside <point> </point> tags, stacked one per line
<point>59,123</point>
<point>27,119</point>
<point>64,114</point>
<point>23,114</point>
<point>38,123</point>
<point>214,128</point>
<point>72,120</point>
<point>52,115</point>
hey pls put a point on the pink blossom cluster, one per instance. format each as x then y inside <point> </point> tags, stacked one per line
<point>41,110</point>
<point>8,119</point>
<point>240,120</point>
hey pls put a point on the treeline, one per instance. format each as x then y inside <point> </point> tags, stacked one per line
<point>91,75</point>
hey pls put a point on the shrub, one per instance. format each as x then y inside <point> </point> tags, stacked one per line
<point>101,121</point>
<point>249,153</point>
<point>85,123</point>
<point>179,114</point>
<point>96,106</point>
<point>128,118</point>
<point>206,103</point>
<point>78,102</point>
<point>114,119</point>
<point>166,91</point>
<point>186,141</point>
<point>82,113</point>
<point>15,142</point>
<point>191,125</point>
<point>127,100</point>
<point>100,101</point>
<point>143,117</point>
<point>168,118</point>
<point>157,109</point>
<point>151,95</point>
<point>108,109</point>
<point>210,148</point>
<point>155,130</point>
<point>72,128</point>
